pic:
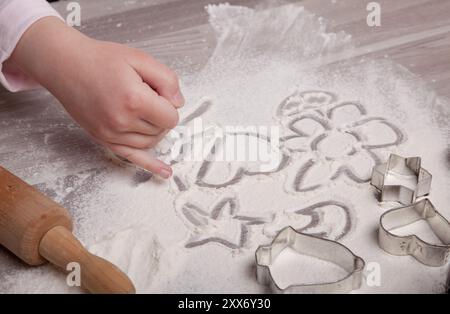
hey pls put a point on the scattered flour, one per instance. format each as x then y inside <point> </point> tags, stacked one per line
<point>198,231</point>
<point>292,268</point>
<point>419,228</point>
<point>131,254</point>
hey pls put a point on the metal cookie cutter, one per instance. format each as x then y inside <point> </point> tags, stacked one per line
<point>313,246</point>
<point>401,179</point>
<point>424,252</point>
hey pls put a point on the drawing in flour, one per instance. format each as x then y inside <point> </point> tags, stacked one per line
<point>302,102</point>
<point>221,224</point>
<point>339,137</point>
<point>165,148</point>
<point>222,174</point>
<point>327,219</point>
<point>335,136</point>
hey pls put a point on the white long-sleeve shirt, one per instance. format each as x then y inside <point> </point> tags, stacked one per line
<point>16,16</point>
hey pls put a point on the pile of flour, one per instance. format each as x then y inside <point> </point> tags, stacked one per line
<point>198,231</point>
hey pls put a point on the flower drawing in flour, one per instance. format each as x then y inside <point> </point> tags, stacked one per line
<point>336,139</point>
<point>220,225</point>
<point>301,102</point>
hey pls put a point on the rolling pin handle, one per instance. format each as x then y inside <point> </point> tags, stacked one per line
<point>60,247</point>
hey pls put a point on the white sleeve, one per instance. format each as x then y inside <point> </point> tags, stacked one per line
<point>16,16</point>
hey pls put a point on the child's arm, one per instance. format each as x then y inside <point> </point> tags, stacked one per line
<point>123,97</point>
<point>16,16</point>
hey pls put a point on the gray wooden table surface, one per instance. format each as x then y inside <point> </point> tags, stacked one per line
<point>35,132</point>
<point>37,138</point>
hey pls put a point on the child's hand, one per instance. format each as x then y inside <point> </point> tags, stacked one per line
<point>123,97</point>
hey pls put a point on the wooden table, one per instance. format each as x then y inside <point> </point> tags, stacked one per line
<point>414,33</point>
<point>37,136</point>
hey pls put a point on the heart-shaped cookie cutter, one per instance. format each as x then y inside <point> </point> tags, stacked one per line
<point>398,168</point>
<point>426,253</point>
<point>324,249</point>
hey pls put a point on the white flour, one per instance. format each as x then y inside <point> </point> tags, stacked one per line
<point>198,231</point>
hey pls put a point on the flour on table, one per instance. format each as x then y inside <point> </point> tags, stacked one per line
<point>198,231</point>
<point>291,267</point>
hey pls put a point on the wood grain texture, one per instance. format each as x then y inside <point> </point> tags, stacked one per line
<point>25,217</point>
<point>36,229</point>
<point>60,247</point>
<point>41,144</point>
<point>36,134</point>
<point>414,33</point>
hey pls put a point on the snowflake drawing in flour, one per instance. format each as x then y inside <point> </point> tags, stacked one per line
<point>339,138</point>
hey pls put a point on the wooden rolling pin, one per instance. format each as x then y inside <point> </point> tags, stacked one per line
<point>37,229</point>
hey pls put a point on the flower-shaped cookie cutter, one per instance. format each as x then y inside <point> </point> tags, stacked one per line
<point>324,249</point>
<point>424,252</point>
<point>393,179</point>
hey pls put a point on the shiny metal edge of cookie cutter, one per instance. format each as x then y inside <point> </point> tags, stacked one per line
<point>324,249</point>
<point>424,252</point>
<point>397,165</point>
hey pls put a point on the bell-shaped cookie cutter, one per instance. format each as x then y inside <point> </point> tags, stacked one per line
<point>324,249</point>
<point>387,178</point>
<point>424,252</point>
